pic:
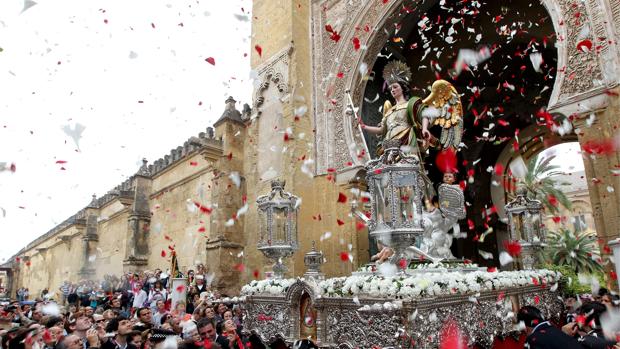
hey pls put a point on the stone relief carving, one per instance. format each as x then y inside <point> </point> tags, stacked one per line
<point>274,71</point>
<point>339,145</point>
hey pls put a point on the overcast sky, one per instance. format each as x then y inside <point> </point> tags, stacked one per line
<point>132,72</point>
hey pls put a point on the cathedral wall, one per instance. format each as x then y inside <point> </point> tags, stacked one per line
<point>110,251</point>
<point>174,215</point>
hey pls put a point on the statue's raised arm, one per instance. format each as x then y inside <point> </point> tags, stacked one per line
<point>444,108</point>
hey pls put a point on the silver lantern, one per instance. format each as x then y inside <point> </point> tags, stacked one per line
<point>525,224</point>
<point>277,214</point>
<point>396,186</point>
<point>313,261</point>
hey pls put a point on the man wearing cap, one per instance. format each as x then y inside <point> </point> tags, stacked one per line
<point>541,334</point>
<point>163,339</point>
<point>200,284</point>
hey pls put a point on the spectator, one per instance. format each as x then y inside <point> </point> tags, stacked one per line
<point>541,334</point>
<point>160,312</point>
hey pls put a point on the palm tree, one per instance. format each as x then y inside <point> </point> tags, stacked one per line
<point>541,185</point>
<point>579,250</point>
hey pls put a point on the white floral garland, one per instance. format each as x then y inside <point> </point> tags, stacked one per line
<point>409,287</point>
<point>267,287</point>
<point>433,284</point>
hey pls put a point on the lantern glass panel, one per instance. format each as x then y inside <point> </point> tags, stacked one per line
<point>380,201</point>
<point>518,226</point>
<point>292,221</point>
<point>263,226</point>
<point>406,205</point>
<point>536,226</point>
<point>279,224</point>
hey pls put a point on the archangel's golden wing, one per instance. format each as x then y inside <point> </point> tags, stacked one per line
<point>447,112</point>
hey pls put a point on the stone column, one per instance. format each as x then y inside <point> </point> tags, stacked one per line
<point>226,240</point>
<point>137,251</point>
<point>600,169</point>
<point>89,240</point>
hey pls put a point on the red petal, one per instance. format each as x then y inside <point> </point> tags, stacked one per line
<point>512,247</point>
<point>342,198</point>
<point>193,163</point>
<point>584,45</point>
<point>240,267</point>
<point>202,229</point>
<point>61,162</point>
<point>163,253</point>
<point>344,256</point>
<point>356,43</point>
<point>446,161</point>
<point>359,225</point>
<point>499,169</point>
<point>13,168</point>
<point>180,288</point>
<point>259,50</point>
<point>339,221</point>
<point>255,273</point>
<point>210,60</point>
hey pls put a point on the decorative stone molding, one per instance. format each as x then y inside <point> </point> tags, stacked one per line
<point>338,144</point>
<point>274,71</point>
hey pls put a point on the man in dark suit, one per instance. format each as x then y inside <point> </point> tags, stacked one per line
<point>541,334</point>
<point>587,327</point>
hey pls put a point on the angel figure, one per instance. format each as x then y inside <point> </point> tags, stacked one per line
<point>409,119</point>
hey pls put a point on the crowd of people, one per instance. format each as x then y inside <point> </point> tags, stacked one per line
<point>133,311</point>
<point>590,322</point>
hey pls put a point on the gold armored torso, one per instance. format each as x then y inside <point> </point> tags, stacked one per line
<point>395,120</point>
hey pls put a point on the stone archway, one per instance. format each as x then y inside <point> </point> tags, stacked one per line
<point>339,145</point>
<point>532,140</point>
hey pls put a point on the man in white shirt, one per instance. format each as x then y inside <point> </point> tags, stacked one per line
<point>139,298</point>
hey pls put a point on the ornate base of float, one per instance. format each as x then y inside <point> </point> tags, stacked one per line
<point>401,311</point>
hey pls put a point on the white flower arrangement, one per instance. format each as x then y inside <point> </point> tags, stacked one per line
<point>275,287</point>
<point>433,284</point>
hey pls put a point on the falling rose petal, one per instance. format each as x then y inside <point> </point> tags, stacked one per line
<point>163,253</point>
<point>240,267</point>
<point>359,225</point>
<point>537,60</point>
<point>505,258</point>
<point>203,209</point>
<point>339,221</point>
<point>356,43</point>
<point>202,229</point>
<point>513,248</point>
<point>485,255</point>
<point>518,167</point>
<point>243,210</point>
<point>259,50</point>
<point>451,336</point>
<point>235,178</point>
<point>74,132</point>
<point>210,60</point>
<point>498,169</point>
<point>61,161</point>
<point>256,273</point>
<point>342,198</point>
<point>180,288</point>
<point>584,45</point>
<point>28,4</point>
<point>345,256</point>
<point>193,163</point>
<point>446,161</point>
